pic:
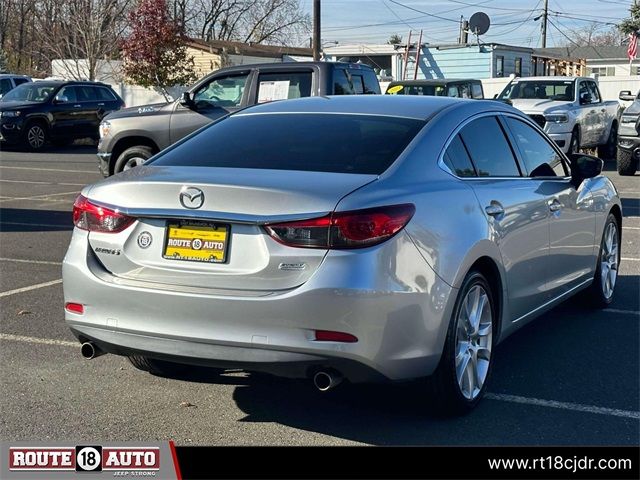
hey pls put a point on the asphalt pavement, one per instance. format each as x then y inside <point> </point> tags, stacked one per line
<point>571,377</point>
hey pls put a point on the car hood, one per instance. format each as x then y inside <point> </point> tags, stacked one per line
<point>531,105</point>
<point>633,109</point>
<point>17,105</point>
<point>142,111</point>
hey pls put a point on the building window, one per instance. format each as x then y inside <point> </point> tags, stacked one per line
<point>518,71</point>
<point>603,71</point>
<point>499,66</point>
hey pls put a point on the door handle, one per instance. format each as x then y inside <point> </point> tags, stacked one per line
<point>495,209</point>
<point>555,205</point>
<point>102,105</point>
<point>77,106</point>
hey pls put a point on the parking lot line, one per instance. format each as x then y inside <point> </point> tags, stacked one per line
<point>29,288</point>
<point>39,197</point>
<point>631,228</point>
<point>21,260</point>
<point>576,407</point>
<point>44,341</point>
<point>627,259</point>
<point>623,312</point>
<point>44,183</point>
<point>49,169</point>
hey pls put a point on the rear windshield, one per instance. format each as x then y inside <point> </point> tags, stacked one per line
<point>342,143</point>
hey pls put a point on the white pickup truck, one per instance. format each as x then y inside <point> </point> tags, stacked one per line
<point>569,109</point>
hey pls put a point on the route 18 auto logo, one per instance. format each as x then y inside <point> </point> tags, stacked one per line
<point>123,461</point>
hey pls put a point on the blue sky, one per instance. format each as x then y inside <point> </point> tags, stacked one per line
<point>512,22</point>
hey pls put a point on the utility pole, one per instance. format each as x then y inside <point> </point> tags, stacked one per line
<point>544,23</point>
<point>316,30</point>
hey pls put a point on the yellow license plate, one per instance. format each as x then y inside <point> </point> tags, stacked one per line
<point>196,242</point>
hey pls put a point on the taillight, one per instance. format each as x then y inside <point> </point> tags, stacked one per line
<point>89,216</point>
<point>354,229</point>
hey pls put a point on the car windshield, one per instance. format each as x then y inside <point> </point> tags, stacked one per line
<point>543,90</point>
<point>365,144</point>
<point>31,92</point>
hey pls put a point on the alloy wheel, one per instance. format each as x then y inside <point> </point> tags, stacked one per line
<point>133,162</point>
<point>473,341</point>
<point>609,260</point>
<point>36,136</point>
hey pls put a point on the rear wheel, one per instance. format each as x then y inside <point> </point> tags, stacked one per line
<point>35,136</point>
<point>626,162</point>
<point>132,157</point>
<point>608,150</point>
<point>604,282</point>
<point>463,373</point>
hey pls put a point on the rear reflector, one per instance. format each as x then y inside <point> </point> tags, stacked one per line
<point>353,229</point>
<point>329,336</point>
<point>74,308</point>
<point>94,218</point>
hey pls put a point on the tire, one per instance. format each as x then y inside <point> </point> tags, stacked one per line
<point>157,367</point>
<point>458,390</point>
<point>608,150</point>
<point>604,281</point>
<point>626,162</point>
<point>35,136</point>
<point>574,143</point>
<point>132,157</point>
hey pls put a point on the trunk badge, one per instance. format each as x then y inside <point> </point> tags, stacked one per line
<point>191,197</point>
<point>144,240</point>
<point>292,266</point>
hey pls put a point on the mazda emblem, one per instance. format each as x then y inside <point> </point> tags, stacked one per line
<point>191,197</point>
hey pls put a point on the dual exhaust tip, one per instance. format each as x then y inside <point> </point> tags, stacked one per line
<point>324,380</point>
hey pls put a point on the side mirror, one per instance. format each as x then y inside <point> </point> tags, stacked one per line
<point>495,95</point>
<point>60,99</point>
<point>584,166</point>
<point>585,98</point>
<point>626,95</point>
<point>186,100</point>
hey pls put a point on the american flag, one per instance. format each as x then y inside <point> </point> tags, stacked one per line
<point>633,46</point>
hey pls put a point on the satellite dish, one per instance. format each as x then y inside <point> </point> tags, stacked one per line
<point>479,23</point>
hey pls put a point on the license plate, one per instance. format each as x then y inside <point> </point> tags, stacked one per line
<point>196,242</point>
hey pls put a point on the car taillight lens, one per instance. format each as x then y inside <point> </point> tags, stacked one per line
<point>354,229</point>
<point>89,216</point>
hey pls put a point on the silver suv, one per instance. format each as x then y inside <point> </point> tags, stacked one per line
<point>9,81</point>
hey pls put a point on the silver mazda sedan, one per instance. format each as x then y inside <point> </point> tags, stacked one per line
<point>366,238</point>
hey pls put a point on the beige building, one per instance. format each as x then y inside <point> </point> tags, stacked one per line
<point>215,54</point>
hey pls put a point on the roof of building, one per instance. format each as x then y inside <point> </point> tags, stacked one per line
<point>588,53</point>
<point>251,49</point>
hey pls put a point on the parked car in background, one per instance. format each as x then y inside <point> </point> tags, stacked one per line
<point>60,111</point>
<point>440,87</point>
<point>131,136</point>
<point>569,109</point>
<point>372,238</point>
<point>9,81</point>
<point>629,136</point>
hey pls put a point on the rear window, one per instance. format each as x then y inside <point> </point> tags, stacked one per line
<point>365,144</point>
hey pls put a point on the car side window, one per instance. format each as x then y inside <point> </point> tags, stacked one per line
<point>593,90</point>
<point>86,94</point>
<point>358,83</point>
<point>20,81</point>
<point>476,90</point>
<point>489,148</point>
<point>221,92</point>
<point>67,94</point>
<point>283,86</point>
<point>452,91</point>
<point>458,160</point>
<point>539,157</point>
<point>5,85</point>
<point>105,94</point>
<point>371,84</point>
<point>342,83</point>
<point>583,90</point>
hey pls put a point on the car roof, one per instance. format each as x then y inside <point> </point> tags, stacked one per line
<point>13,75</point>
<point>434,81</point>
<point>407,106</point>
<point>56,83</point>
<point>557,78</point>
<point>279,65</point>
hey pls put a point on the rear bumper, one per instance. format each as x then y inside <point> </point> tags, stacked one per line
<point>400,317</point>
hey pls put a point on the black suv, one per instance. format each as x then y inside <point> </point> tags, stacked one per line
<point>131,136</point>
<point>60,111</point>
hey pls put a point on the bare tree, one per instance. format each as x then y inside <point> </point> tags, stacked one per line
<point>593,35</point>
<point>81,31</point>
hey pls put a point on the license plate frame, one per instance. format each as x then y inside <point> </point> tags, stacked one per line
<point>205,227</point>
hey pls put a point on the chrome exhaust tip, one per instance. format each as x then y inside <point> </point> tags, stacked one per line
<point>89,350</point>
<point>326,380</point>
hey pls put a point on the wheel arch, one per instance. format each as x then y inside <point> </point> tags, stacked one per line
<point>127,142</point>
<point>488,267</point>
